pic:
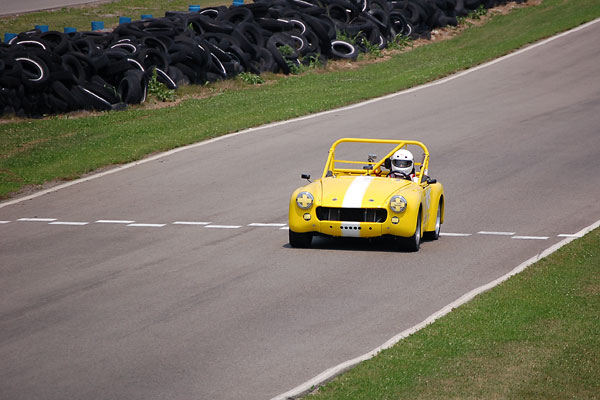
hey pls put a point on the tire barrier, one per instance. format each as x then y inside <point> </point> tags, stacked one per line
<point>49,72</point>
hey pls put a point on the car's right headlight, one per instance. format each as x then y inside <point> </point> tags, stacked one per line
<point>305,200</point>
<point>398,203</point>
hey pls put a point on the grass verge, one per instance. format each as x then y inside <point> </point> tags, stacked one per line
<point>536,336</point>
<point>33,152</point>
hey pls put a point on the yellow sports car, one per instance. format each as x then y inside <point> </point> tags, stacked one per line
<point>390,197</point>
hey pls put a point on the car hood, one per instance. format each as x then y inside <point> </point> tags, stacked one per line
<point>359,191</point>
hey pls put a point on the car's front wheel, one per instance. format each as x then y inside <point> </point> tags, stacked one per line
<point>413,243</point>
<point>435,234</point>
<point>302,240</point>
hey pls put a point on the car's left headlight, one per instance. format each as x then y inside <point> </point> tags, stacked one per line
<point>398,203</point>
<point>305,200</point>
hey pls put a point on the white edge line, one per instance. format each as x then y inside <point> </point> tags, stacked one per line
<point>68,223</point>
<point>113,221</point>
<point>266,224</point>
<point>455,234</point>
<point>305,117</point>
<point>36,219</point>
<point>531,237</point>
<point>147,225</point>
<point>191,223</point>
<point>496,233</point>
<point>340,368</point>
<point>224,226</point>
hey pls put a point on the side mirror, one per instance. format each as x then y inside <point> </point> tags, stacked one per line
<point>305,176</point>
<point>431,181</point>
<point>387,163</point>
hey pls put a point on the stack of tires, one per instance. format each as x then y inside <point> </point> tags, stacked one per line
<point>53,72</point>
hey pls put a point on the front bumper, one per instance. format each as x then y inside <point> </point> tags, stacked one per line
<point>404,227</point>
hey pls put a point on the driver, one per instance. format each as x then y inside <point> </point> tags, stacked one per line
<point>402,165</point>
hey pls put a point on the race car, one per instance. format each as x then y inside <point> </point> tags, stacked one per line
<point>390,197</point>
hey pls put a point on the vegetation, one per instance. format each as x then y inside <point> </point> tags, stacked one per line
<point>251,79</point>
<point>159,90</point>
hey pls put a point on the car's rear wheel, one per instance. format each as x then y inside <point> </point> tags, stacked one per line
<point>413,243</point>
<point>301,240</point>
<point>435,234</point>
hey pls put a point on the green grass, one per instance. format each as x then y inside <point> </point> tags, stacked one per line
<point>33,152</point>
<point>536,336</point>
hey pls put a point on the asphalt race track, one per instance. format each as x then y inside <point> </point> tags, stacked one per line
<point>8,7</point>
<point>167,281</point>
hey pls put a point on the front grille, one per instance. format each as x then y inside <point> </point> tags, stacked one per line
<point>351,214</point>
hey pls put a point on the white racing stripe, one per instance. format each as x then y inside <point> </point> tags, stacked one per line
<point>356,192</point>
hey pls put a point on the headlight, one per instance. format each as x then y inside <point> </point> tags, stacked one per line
<point>398,203</point>
<point>305,200</point>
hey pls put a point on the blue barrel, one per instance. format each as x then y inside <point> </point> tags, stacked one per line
<point>97,25</point>
<point>146,16</point>
<point>124,20</point>
<point>9,36</point>
<point>69,29</point>
<point>43,28</point>
<point>193,8</point>
<point>238,2</point>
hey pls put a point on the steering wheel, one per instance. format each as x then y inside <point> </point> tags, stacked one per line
<point>401,175</point>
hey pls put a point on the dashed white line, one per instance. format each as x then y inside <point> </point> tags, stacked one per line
<point>224,226</point>
<point>496,233</point>
<point>191,223</point>
<point>148,225</point>
<point>569,235</point>
<point>262,224</point>
<point>37,219</point>
<point>113,221</point>
<point>455,234</point>
<point>532,237</point>
<point>4,222</point>
<point>68,223</point>
<point>285,228</point>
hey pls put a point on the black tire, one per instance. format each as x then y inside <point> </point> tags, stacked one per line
<point>62,92</point>
<point>132,88</point>
<point>35,71</point>
<point>435,234</point>
<point>300,240</point>
<point>343,49</point>
<point>71,64</point>
<point>413,243</point>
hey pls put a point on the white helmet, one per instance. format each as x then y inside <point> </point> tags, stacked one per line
<point>402,161</point>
